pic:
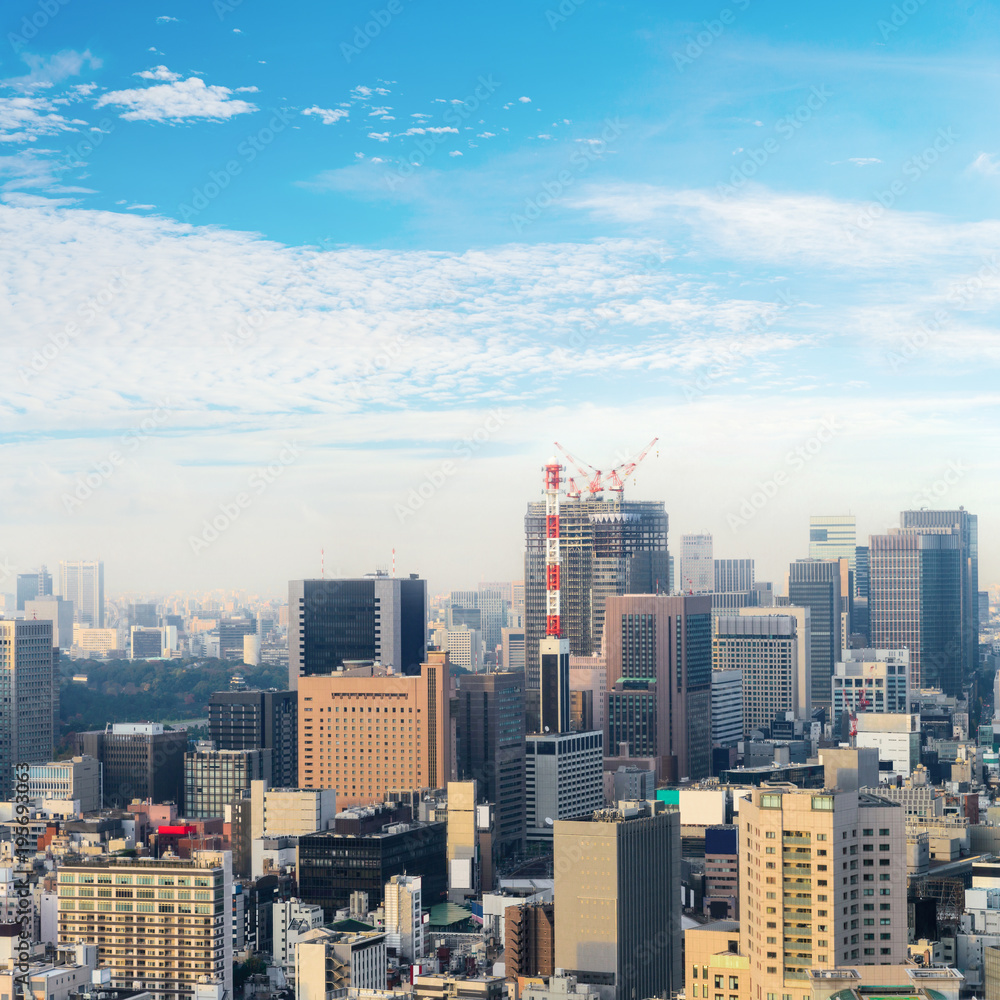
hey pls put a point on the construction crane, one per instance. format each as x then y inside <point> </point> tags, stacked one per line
<point>597,480</point>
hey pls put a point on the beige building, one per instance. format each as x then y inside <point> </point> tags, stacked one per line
<point>714,966</point>
<point>76,779</point>
<point>93,641</point>
<point>328,960</point>
<point>617,893</point>
<point>290,812</point>
<point>366,731</point>
<point>404,925</point>
<point>822,884</point>
<point>162,923</point>
<point>463,841</point>
<point>803,656</point>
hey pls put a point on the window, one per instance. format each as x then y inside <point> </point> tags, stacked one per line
<point>718,982</point>
<point>884,832</point>
<point>868,833</point>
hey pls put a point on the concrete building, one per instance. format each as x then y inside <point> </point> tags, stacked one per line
<point>722,872</point>
<point>464,856</point>
<point>328,962</point>
<point>727,705</point>
<point>464,647</point>
<point>588,675</point>
<point>290,812</point>
<point>529,940</point>
<point>697,569</point>
<point>849,768</point>
<point>822,585</point>
<point>29,689</point>
<point>617,891</point>
<point>877,677</point>
<point>659,681</point>
<point>131,907</point>
<point>82,583</point>
<point>404,924</point>
<point>259,720</point>
<point>213,778</point>
<point>512,648</point>
<point>441,986</point>
<point>563,779</point>
<point>376,618</point>
<point>765,649</point>
<point>76,779</point>
<point>91,642</point>
<point>713,963</point>
<point>31,585</point>
<point>56,610</point>
<point>896,737</point>
<point>822,883</point>
<point>833,537</point>
<point>733,575</point>
<point>366,731</point>
<point>490,723</point>
<point>291,920</point>
<point>139,760</point>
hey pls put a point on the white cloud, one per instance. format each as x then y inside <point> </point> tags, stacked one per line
<point>180,100</point>
<point>432,129</point>
<point>46,71</point>
<point>524,100</point>
<point>237,31</point>
<point>456,152</point>
<point>361,92</point>
<point>25,119</point>
<point>863,161</point>
<point>131,208</point>
<point>247,90</point>
<point>165,19</point>
<point>158,73</point>
<point>379,136</point>
<point>485,135</point>
<point>985,164</point>
<point>329,116</point>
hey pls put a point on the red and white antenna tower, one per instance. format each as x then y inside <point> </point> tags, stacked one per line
<point>553,479</point>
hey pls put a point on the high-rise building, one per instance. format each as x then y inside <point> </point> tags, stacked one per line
<point>259,720</point>
<point>659,680</point>
<point>144,615</point>
<point>697,565</point>
<point>140,760</point>
<point>33,585</point>
<point>817,584</point>
<point>529,940</point>
<point>822,884</point>
<point>733,575</point>
<point>564,778</point>
<point>166,923</point>
<point>365,731</point>
<point>833,537</point>
<point>404,924</point>
<point>213,778</point>
<point>57,611</point>
<point>490,749</point>
<point>289,812</point>
<point>617,891</point>
<point>588,676</point>
<point>145,643</point>
<point>607,548</point>
<point>464,647</point>
<point>871,680</point>
<point>517,613</point>
<point>82,582</point>
<point>232,632</point>
<point>915,603</point>
<point>373,619</point>
<point>554,692</point>
<point>512,648</point>
<point>29,696</point>
<point>765,649</point>
<point>967,527</point>
<point>727,705</point>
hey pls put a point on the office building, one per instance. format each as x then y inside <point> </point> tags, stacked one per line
<point>819,584</point>
<point>512,648</point>
<point>144,615</point>
<point>697,565</point>
<point>517,612</point>
<point>588,675</point>
<point>722,873</point>
<point>727,704</point>
<point>165,926</point>
<point>494,601</point>
<point>713,962</point>
<point>465,857</point>
<point>564,778</point>
<point>213,778</point>
<point>29,694</point>
<point>291,920</point>
<point>554,693</point>
<point>328,963</point>
<point>530,940</point>
<point>33,585</point>
<point>140,760</point>
<point>608,547</point>
<point>822,884</point>
<point>259,720</point>
<point>365,731</point>
<point>290,812</point>
<point>82,582</point>
<point>732,575</point>
<point>76,779</point>
<point>232,632</point>
<point>871,680</point>
<point>371,619</point>
<point>833,537</point>
<point>464,647</point>
<point>333,864</point>
<point>57,611</point>
<point>896,737</point>
<point>765,649</point>
<point>490,750</point>
<point>90,642</point>
<point>617,891</point>
<point>659,681</point>
<point>915,603</point>
<point>404,918</point>
<point>146,643</point>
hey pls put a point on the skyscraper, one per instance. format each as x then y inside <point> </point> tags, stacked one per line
<point>833,537</point>
<point>608,547</point>
<point>617,892</point>
<point>915,603</point>
<point>28,693</point>
<point>258,720</point>
<point>491,747</point>
<point>732,575</point>
<point>59,612</point>
<point>32,585</point>
<point>82,582</point>
<point>374,618</point>
<point>817,584</point>
<point>697,565</point>
<point>659,680</point>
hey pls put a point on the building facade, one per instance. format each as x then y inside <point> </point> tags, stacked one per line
<point>78,778</point>
<point>32,585</point>
<point>213,778</point>
<point>871,680</point>
<point>727,705</point>
<point>697,565</point>
<point>564,778</point>
<point>259,720</point>
<point>82,582</point>
<point>733,575</point>
<point>818,584</point>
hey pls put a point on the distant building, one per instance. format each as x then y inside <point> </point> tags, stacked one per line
<point>232,632</point>
<point>697,565</point>
<point>90,642</point>
<point>822,586</point>
<point>33,585</point>
<point>144,615</point>
<point>57,611</point>
<point>82,582</point>
<point>258,720</point>
<point>328,962</point>
<point>833,537</point>
<point>733,575</point>
<point>78,778</point>
<point>727,705</point>
<point>512,648</point>
<point>563,779</point>
<point>464,647</point>
<point>871,680</point>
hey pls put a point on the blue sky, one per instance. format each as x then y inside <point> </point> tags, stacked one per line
<point>375,233</point>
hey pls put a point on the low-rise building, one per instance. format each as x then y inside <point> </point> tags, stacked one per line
<point>327,961</point>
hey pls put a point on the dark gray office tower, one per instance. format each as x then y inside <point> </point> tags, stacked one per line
<point>491,748</point>
<point>915,603</point>
<point>33,585</point>
<point>143,615</point>
<point>484,609</point>
<point>608,548</point>
<point>817,584</point>
<point>553,686</point>
<point>259,720</point>
<point>733,574</point>
<point>370,618</point>
<point>967,526</point>
<point>231,634</point>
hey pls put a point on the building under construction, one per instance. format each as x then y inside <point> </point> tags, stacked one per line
<point>608,548</point>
